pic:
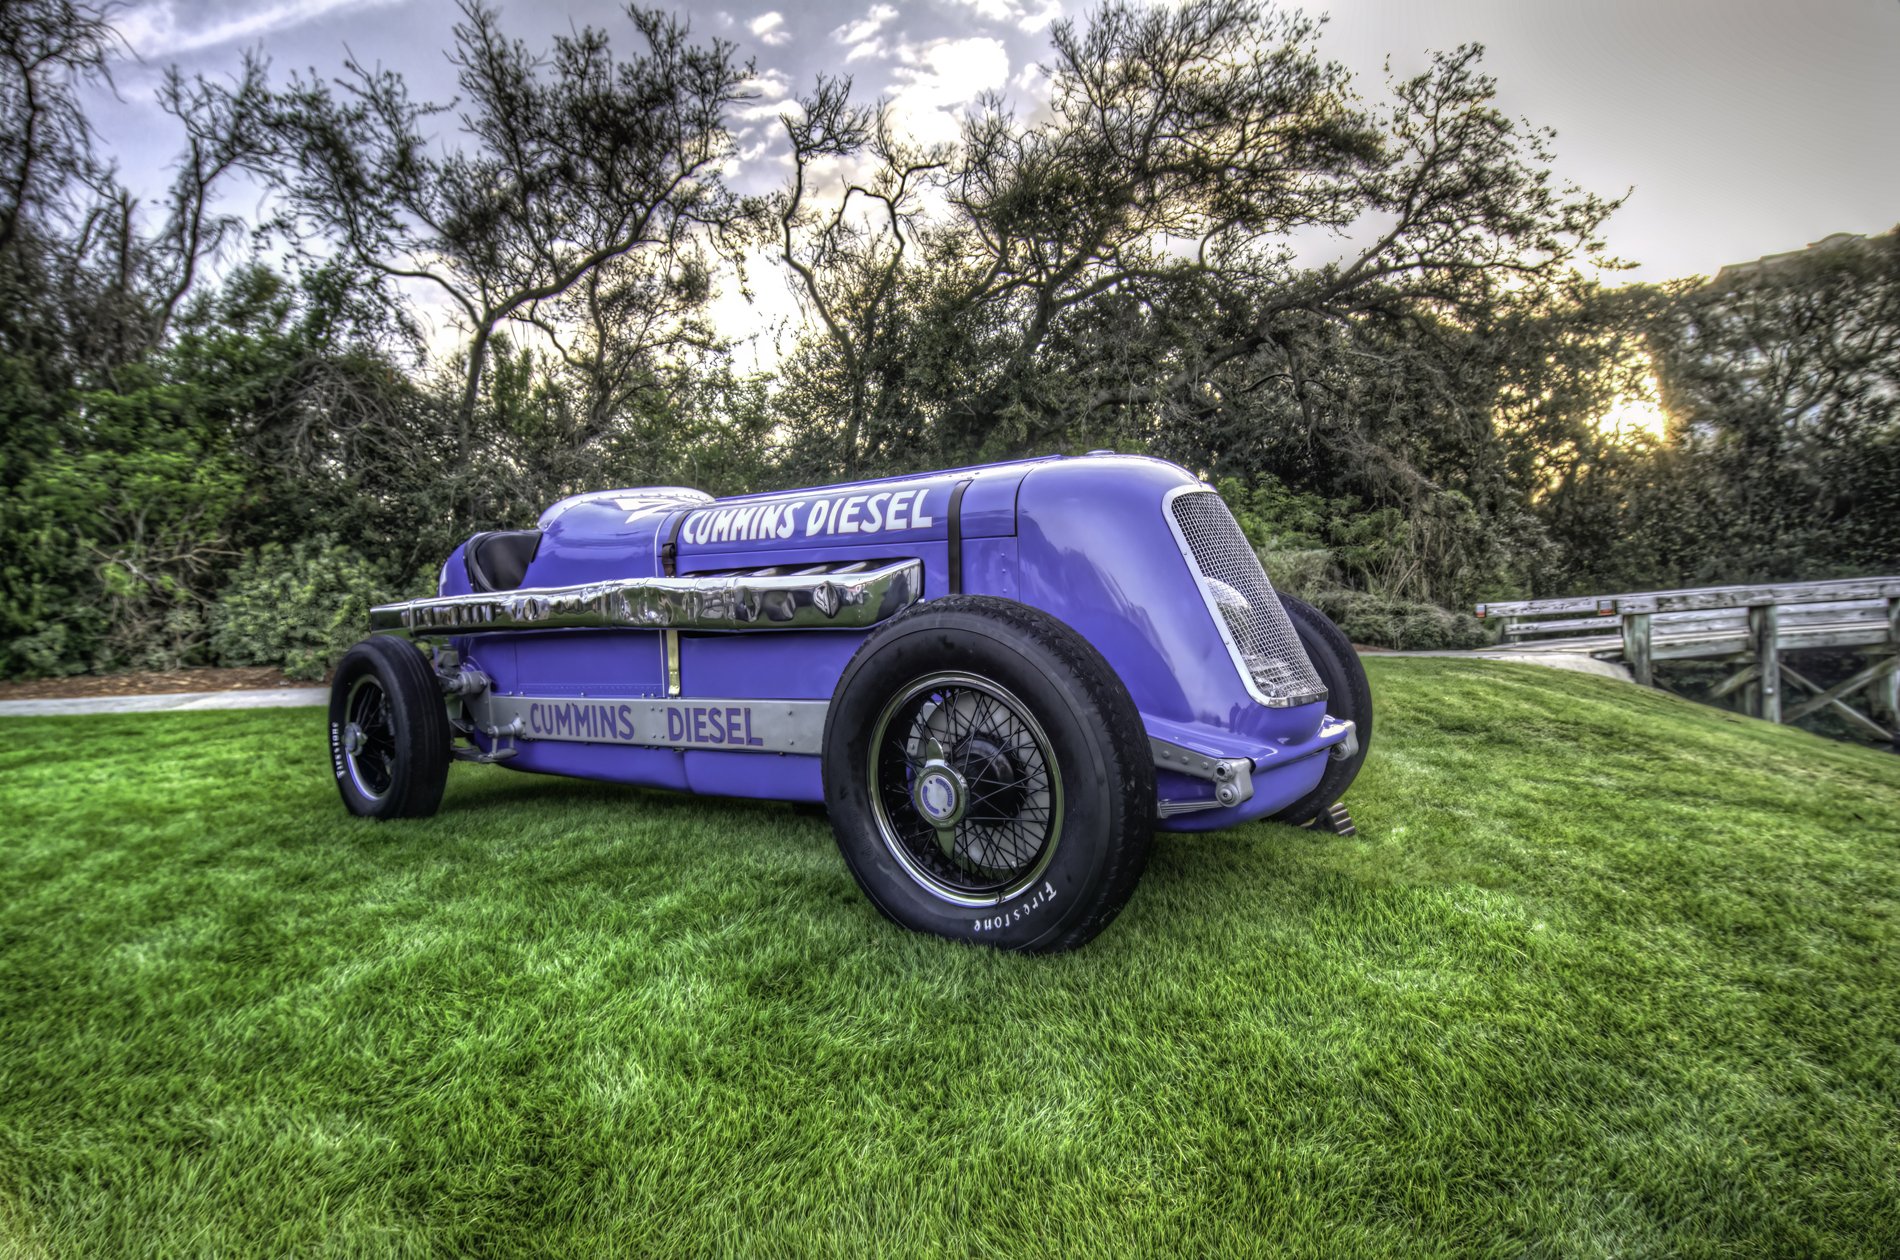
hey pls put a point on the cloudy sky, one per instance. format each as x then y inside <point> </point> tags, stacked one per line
<point>1742,127</point>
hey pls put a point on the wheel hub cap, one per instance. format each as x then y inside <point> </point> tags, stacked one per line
<point>940,795</point>
<point>353,739</point>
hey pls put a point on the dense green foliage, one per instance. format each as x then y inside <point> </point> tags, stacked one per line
<point>1605,973</point>
<point>1404,625</point>
<point>298,608</point>
<point>1350,563</point>
<point>1420,424</point>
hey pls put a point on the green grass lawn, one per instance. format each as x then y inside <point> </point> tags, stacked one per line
<point>1604,974</point>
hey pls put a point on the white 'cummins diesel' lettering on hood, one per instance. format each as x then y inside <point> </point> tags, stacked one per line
<point>870,510</point>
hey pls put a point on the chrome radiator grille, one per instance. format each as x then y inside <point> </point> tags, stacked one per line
<point>1258,632</point>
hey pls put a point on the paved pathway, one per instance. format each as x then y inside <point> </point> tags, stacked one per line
<point>1577,661</point>
<point>293,697</point>
<point>281,698</point>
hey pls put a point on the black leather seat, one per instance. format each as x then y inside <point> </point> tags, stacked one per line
<point>499,560</point>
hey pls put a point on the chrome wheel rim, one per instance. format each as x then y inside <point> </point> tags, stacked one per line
<point>965,788</point>
<point>369,738</point>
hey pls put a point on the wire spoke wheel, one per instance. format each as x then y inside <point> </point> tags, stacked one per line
<point>966,788</point>
<point>389,731</point>
<point>369,741</point>
<point>988,777</point>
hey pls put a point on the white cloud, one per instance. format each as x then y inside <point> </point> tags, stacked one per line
<point>943,74</point>
<point>765,111</point>
<point>1033,82</point>
<point>769,28</point>
<point>865,27</point>
<point>1039,19</point>
<point>869,48</point>
<point>772,88</point>
<point>159,30</point>
<point>994,10</point>
<point>949,71</point>
<point>1026,17</point>
<point>769,84</point>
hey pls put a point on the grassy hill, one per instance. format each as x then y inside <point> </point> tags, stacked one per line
<point>1605,973</point>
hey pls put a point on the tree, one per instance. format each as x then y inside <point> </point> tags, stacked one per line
<point>85,286</point>
<point>580,167</point>
<point>1782,383</point>
<point>855,274</point>
<point>1120,264</point>
<point>48,50</point>
<point>114,490</point>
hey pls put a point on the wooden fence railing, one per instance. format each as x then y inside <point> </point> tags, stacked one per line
<point>1751,627</point>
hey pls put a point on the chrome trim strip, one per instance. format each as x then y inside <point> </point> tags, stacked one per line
<point>1213,611</point>
<point>735,601</point>
<point>692,722</point>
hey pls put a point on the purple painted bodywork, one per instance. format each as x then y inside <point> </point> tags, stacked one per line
<point>1086,540</point>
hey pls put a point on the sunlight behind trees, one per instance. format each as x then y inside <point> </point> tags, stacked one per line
<point>1631,418</point>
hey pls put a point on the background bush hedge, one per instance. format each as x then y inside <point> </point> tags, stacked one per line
<point>298,608</point>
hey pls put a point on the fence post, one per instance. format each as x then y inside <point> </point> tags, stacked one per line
<point>1636,647</point>
<point>1764,624</point>
<point>1886,692</point>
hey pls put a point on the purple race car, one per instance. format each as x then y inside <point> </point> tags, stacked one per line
<point>997,680</point>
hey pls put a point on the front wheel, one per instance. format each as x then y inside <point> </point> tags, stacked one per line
<point>1348,697</point>
<point>988,776</point>
<point>389,731</point>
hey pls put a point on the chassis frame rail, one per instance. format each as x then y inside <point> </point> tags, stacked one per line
<point>757,600</point>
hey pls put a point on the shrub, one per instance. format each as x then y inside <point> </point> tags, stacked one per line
<point>1303,572</point>
<point>1402,625</point>
<point>299,609</point>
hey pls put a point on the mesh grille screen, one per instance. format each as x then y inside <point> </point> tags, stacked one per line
<point>1270,650</point>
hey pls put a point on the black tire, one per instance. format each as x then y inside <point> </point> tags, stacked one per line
<point>389,731</point>
<point>1348,696</point>
<point>1017,732</point>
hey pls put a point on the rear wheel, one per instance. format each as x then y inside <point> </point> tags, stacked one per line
<point>987,776</point>
<point>389,731</point>
<point>1348,696</point>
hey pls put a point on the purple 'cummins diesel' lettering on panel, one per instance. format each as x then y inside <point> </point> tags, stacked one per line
<point>675,726</point>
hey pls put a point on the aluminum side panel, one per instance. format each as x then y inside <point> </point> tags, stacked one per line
<point>782,778</point>
<point>794,665</point>
<point>639,767</point>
